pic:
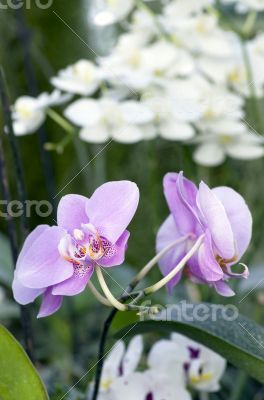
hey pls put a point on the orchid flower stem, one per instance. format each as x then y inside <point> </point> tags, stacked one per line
<point>101,352</point>
<point>148,267</point>
<point>126,295</point>
<point>115,303</point>
<point>24,311</point>
<point>98,295</point>
<point>251,87</point>
<point>25,37</point>
<point>61,121</point>
<point>107,325</point>
<point>66,126</point>
<point>249,23</point>
<point>17,161</point>
<point>178,268</point>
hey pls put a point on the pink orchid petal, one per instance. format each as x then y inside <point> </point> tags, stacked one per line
<point>24,295</point>
<point>29,242</point>
<point>209,267</point>
<point>112,207</point>
<point>74,285</point>
<point>119,252</point>
<point>41,265</point>
<point>239,216</point>
<point>216,220</point>
<point>50,304</point>
<point>167,234</point>
<point>181,195</point>
<point>223,289</point>
<point>71,212</point>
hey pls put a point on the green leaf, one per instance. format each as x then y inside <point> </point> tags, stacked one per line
<point>18,377</point>
<point>239,340</point>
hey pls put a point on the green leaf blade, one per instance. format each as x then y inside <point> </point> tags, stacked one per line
<point>240,341</point>
<point>18,377</point>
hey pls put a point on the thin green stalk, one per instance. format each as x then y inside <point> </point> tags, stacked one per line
<point>256,111</point>
<point>99,165</point>
<point>11,229</point>
<point>239,386</point>
<point>83,159</point>
<point>61,121</point>
<point>24,36</point>
<point>67,127</point>
<point>17,161</point>
<point>119,304</point>
<point>71,137</point>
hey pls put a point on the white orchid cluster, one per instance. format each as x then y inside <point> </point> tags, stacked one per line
<point>243,6</point>
<point>173,366</point>
<point>177,74</point>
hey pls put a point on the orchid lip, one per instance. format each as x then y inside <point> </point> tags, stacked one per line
<point>85,246</point>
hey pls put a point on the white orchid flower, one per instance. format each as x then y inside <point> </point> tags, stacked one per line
<point>186,361</point>
<point>205,368</point>
<point>100,120</point>
<point>243,6</point>
<point>120,380</point>
<point>255,49</point>
<point>82,78</point>
<point>107,12</point>
<point>177,10</point>
<point>119,371</point>
<point>165,361</point>
<point>218,102</point>
<point>166,384</point>
<point>137,65</point>
<point>144,24</point>
<point>168,352</point>
<point>227,72</point>
<point>227,137</point>
<point>124,65</point>
<point>253,4</point>
<point>174,112</point>
<point>207,38</point>
<point>29,113</point>
<point>164,59</point>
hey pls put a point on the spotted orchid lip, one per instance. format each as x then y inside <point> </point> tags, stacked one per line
<point>85,245</point>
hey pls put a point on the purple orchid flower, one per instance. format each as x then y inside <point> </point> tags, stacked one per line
<point>221,215</point>
<point>59,260</point>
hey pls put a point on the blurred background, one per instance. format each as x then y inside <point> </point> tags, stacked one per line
<point>35,44</point>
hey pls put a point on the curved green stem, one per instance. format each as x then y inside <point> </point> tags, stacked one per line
<point>148,267</point>
<point>157,286</point>
<point>252,90</point>
<point>66,126</point>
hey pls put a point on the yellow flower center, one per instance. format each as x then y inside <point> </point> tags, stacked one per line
<point>105,384</point>
<point>84,71</point>
<point>112,3</point>
<point>236,76</point>
<point>225,139</point>
<point>24,111</point>
<point>209,113</point>
<point>201,378</point>
<point>134,58</point>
